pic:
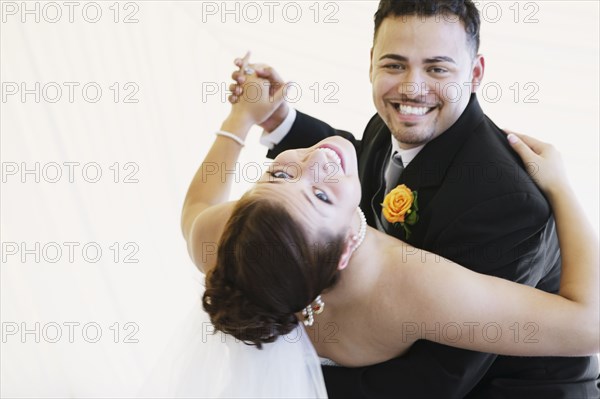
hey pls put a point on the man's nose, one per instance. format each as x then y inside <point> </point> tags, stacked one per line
<point>414,84</point>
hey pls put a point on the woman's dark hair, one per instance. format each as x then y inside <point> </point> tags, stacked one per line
<point>465,10</point>
<point>267,270</point>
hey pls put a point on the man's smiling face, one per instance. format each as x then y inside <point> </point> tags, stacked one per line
<point>423,72</point>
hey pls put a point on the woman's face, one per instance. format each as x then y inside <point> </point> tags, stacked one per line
<point>318,185</point>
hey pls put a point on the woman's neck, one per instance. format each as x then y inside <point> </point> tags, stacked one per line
<point>358,279</point>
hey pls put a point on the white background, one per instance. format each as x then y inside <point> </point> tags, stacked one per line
<point>176,54</point>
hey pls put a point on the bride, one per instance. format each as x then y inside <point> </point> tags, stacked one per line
<point>296,248</point>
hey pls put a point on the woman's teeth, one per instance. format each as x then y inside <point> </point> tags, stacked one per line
<point>332,154</point>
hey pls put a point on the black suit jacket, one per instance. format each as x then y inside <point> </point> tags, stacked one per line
<point>479,208</point>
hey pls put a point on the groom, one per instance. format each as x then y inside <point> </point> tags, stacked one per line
<point>476,204</point>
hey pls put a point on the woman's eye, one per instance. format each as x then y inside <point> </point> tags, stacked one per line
<point>320,194</point>
<point>279,174</point>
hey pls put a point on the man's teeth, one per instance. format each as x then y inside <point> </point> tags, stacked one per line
<point>333,155</point>
<point>408,110</point>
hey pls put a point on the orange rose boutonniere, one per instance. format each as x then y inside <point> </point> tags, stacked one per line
<point>400,206</point>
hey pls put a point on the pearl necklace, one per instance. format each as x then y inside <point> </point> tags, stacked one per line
<point>362,231</point>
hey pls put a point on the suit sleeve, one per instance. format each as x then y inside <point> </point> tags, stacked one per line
<point>512,237</point>
<point>519,244</point>
<point>307,131</point>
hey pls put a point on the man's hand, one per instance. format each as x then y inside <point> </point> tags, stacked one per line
<point>275,83</point>
<point>259,99</point>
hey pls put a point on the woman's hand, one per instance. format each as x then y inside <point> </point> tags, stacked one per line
<point>258,97</point>
<point>542,161</point>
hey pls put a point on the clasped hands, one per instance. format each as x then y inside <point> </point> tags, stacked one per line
<point>258,94</point>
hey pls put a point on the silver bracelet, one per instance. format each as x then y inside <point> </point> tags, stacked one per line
<point>231,136</point>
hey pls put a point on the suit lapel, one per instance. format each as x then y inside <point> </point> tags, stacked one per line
<point>372,160</point>
<point>426,171</point>
<point>376,144</point>
<point>377,198</point>
<point>434,161</point>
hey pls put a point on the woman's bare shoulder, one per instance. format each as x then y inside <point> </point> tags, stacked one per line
<point>206,231</point>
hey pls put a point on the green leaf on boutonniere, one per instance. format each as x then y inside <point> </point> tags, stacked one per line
<point>406,230</point>
<point>412,218</point>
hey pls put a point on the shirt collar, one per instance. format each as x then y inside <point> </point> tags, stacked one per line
<point>407,155</point>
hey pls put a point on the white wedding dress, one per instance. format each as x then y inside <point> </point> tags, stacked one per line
<point>199,364</point>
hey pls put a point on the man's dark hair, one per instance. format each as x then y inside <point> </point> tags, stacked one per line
<point>463,10</point>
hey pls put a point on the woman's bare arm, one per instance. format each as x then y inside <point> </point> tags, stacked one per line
<point>205,209</point>
<point>455,306</point>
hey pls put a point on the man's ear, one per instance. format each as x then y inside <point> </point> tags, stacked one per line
<point>349,245</point>
<point>478,69</point>
<point>371,66</point>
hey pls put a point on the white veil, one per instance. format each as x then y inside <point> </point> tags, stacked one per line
<point>200,364</point>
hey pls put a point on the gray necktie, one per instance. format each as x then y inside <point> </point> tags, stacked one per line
<point>393,172</point>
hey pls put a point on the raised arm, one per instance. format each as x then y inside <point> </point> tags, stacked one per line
<point>206,208</point>
<point>489,314</point>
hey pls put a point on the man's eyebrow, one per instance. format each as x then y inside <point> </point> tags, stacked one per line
<point>439,58</point>
<point>394,57</point>
<point>432,60</point>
